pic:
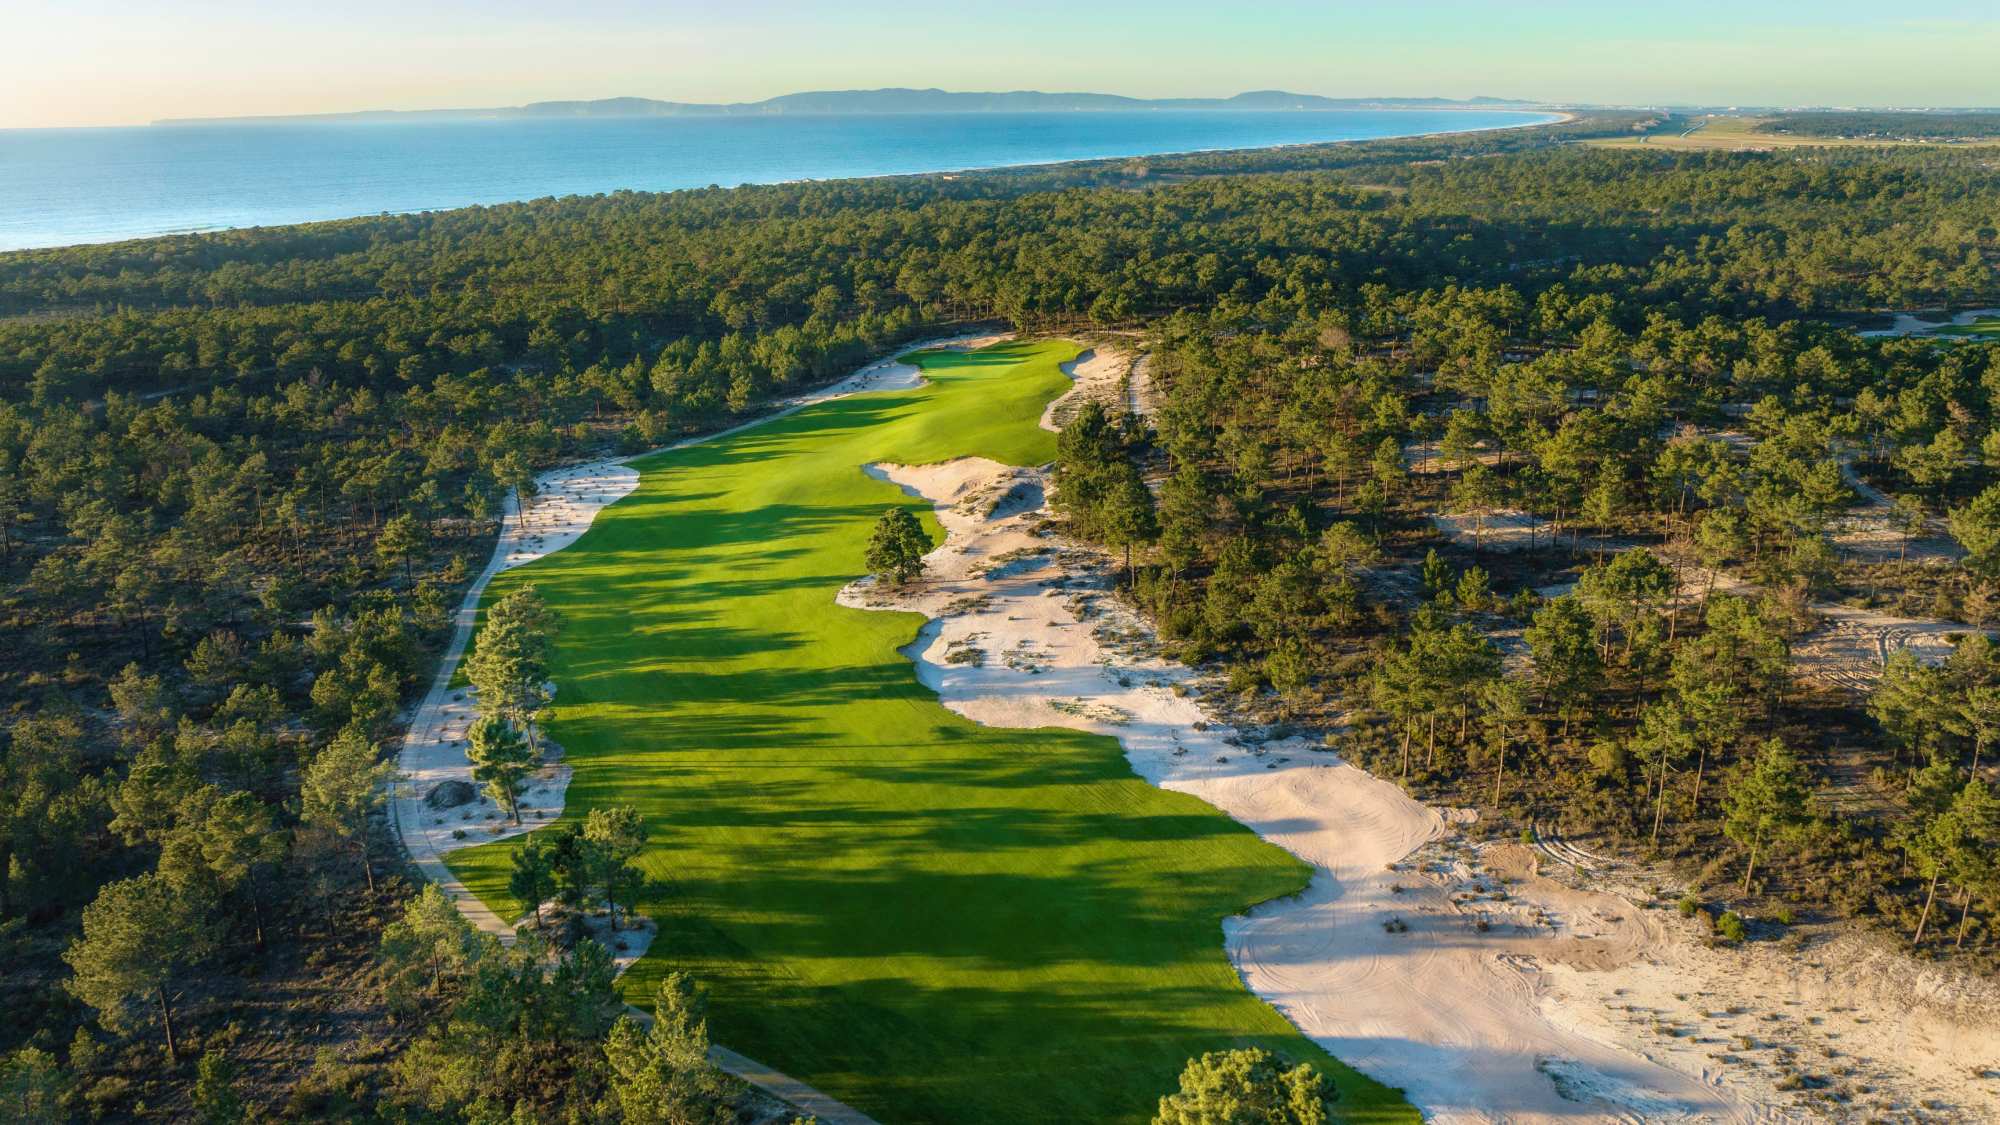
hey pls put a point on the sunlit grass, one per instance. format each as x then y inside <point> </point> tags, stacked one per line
<point>930,919</point>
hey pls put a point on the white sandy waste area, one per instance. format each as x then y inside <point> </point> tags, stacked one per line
<point>1459,972</point>
<point>1374,960</point>
<point>1101,376</point>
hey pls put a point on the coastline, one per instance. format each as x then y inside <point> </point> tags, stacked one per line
<point>228,218</point>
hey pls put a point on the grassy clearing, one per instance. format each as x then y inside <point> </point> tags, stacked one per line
<point>929,919</point>
<point>1726,133</point>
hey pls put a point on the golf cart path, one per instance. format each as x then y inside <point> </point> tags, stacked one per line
<point>565,503</point>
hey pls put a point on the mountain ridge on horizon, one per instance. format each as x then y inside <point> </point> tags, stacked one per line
<point>887,100</point>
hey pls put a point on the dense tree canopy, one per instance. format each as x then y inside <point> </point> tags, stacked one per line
<point>244,477</point>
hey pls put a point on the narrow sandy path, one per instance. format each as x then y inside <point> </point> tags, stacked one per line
<point>565,504</point>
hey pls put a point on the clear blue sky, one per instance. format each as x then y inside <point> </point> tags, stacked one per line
<point>94,62</point>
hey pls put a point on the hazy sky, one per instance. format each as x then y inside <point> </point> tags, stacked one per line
<point>98,62</point>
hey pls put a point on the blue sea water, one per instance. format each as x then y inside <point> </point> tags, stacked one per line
<point>63,186</point>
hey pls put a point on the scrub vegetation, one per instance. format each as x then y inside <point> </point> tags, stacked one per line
<point>244,476</point>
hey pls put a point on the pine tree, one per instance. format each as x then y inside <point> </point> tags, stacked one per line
<point>139,936</point>
<point>1771,803</point>
<point>661,1075</point>
<point>897,547</point>
<point>620,835</point>
<point>1128,518</point>
<point>239,841</point>
<point>1664,741</point>
<point>429,943</point>
<point>343,786</point>
<point>532,879</point>
<point>1505,714</point>
<point>1909,701</point>
<point>510,660</point>
<point>502,759</point>
<point>1567,667</point>
<point>1247,1086</point>
<point>1969,835</point>
<point>402,540</point>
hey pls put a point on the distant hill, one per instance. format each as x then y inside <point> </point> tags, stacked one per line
<point>873,101</point>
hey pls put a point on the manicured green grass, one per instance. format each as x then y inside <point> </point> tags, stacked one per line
<point>929,919</point>
<point>1985,328</point>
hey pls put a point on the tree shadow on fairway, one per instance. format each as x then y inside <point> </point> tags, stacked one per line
<point>933,920</point>
<point>694,651</point>
<point>693,534</point>
<point>880,1046</point>
<point>941,362</point>
<point>676,684</point>
<point>783,437</point>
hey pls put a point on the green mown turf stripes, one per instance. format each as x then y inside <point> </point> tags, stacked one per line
<point>929,919</point>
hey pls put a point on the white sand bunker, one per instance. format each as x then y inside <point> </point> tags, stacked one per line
<point>1100,375</point>
<point>1378,960</point>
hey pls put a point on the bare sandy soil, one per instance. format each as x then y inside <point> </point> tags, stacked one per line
<point>1503,529</point>
<point>1143,398</point>
<point>1458,971</point>
<point>1851,646</point>
<point>1421,457</point>
<point>1810,1027</point>
<point>1379,959</point>
<point>1100,375</point>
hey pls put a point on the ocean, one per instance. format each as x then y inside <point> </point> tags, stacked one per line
<point>65,186</point>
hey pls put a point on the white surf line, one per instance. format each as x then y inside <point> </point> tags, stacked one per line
<point>433,750</point>
<point>1377,959</point>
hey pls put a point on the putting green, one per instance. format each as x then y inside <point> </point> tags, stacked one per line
<point>927,918</point>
